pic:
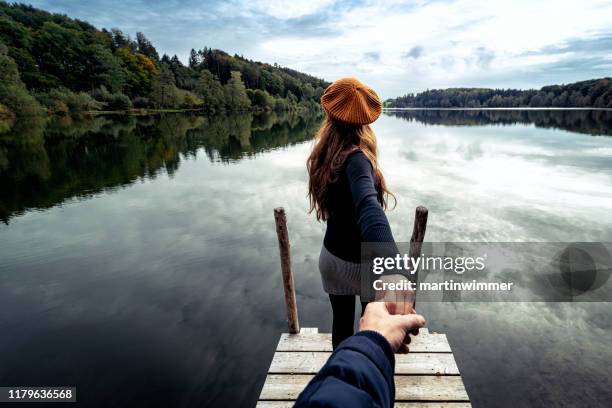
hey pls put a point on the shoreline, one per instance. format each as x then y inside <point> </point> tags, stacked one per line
<point>145,112</point>
<point>140,111</point>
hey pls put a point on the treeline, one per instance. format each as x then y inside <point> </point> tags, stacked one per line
<point>596,93</point>
<point>64,65</point>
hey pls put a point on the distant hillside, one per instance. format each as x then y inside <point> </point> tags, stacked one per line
<point>593,93</point>
<point>69,65</point>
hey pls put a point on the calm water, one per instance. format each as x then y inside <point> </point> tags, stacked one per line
<point>139,260</point>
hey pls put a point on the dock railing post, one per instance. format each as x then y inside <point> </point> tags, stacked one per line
<point>418,231</point>
<point>285,259</point>
<point>418,235</point>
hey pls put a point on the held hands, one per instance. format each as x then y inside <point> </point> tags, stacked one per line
<point>396,328</point>
<point>399,301</point>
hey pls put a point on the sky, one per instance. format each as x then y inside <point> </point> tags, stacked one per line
<point>395,47</point>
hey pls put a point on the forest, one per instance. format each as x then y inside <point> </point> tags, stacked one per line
<point>595,93</point>
<point>50,63</point>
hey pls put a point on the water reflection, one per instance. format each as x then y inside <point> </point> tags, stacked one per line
<point>43,165</point>
<point>163,288</point>
<point>593,122</point>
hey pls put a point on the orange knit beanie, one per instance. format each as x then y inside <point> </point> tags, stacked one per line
<point>348,100</point>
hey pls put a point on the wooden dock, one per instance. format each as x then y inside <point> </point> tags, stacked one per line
<point>427,377</point>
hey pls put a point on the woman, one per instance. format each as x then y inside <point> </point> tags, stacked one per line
<point>347,189</point>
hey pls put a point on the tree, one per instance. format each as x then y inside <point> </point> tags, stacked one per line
<point>141,72</point>
<point>14,34</point>
<point>252,76</point>
<point>112,101</point>
<point>29,70</point>
<point>165,93</point>
<point>61,53</point>
<point>260,98</point>
<point>106,69</point>
<point>13,93</point>
<point>235,93</point>
<point>291,98</point>
<point>307,91</point>
<point>194,59</point>
<point>145,47</point>
<point>211,91</point>
<point>273,83</point>
<point>185,77</point>
<point>121,40</point>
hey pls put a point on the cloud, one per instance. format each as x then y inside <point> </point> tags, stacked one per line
<point>522,44</point>
<point>415,52</point>
<point>483,56</point>
<point>372,56</point>
<point>578,45</point>
<point>288,9</point>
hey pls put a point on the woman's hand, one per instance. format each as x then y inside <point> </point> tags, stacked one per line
<point>400,301</point>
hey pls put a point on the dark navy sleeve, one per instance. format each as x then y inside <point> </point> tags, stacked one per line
<point>370,215</point>
<point>358,374</point>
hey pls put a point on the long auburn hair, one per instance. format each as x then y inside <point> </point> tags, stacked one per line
<point>334,142</point>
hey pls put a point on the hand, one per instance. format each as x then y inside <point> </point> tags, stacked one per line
<point>399,301</point>
<point>394,328</point>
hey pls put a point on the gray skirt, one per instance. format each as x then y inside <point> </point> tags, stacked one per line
<point>339,277</point>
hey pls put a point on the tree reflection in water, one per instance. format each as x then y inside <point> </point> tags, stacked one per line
<point>44,164</point>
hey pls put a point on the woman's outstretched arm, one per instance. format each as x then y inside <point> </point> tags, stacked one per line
<point>371,217</point>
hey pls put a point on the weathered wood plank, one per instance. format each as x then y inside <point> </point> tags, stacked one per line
<point>310,362</point>
<point>309,330</point>
<point>407,387</point>
<point>423,343</point>
<point>289,404</point>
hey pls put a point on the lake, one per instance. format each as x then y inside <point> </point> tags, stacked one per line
<point>139,259</point>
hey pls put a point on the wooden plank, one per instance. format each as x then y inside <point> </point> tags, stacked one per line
<point>310,362</point>
<point>423,343</point>
<point>407,387</point>
<point>289,404</point>
<point>309,330</point>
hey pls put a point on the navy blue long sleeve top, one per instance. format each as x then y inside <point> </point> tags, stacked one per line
<point>358,374</point>
<point>355,215</point>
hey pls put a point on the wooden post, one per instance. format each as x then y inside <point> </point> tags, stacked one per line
<point>285,259</point>
<point>418,235</point>
<point>418,231</point>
